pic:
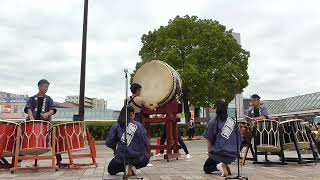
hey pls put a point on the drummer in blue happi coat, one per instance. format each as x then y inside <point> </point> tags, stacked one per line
<point>137,142</point>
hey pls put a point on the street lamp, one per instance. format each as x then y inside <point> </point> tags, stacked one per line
<point>83,63</point>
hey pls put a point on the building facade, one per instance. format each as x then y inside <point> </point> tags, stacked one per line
<point>12,105</point>
<point>95,103</point>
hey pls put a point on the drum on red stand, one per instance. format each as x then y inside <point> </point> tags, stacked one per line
<point>75,132</point>
<point>8,131</point>
<point>35,137</point>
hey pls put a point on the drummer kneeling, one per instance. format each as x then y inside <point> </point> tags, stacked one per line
<point>222,141</point>
<point>137,143</point>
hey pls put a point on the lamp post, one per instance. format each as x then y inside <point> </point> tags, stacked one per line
<point>83,62</point>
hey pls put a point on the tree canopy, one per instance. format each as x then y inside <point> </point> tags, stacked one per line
<point>211,63</point>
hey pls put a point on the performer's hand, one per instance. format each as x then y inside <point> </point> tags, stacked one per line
<point>45,115</point>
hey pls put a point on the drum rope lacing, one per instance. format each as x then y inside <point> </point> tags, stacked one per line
<point>272,130</point>
<point>300,133</point>
<point>81,132</point>
<point>33,133</point>
<point>10,135</point>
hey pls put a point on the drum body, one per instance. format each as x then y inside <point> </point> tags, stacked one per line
<point>75,132</point>
<point>267,135</point>
<point>34,137</point>
<point>160,82</point>
<point>245,130</point>
<point>293,130</point>
<point>8,132</point>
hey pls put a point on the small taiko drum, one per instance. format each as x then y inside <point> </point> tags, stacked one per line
<point>35,137</point>
<point>8,131</point>
<point>294,130</point>
<point>245,130</point>
<point>267,135</point>
<point>75,132</point>
<point>160,82</point>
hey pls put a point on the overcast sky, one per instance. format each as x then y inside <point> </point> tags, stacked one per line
<point>36,35</point>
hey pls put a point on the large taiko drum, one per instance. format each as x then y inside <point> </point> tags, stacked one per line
<point>267,135</point>
<point>35,137</point>
<point>8,131</point>
<point>75,132</point>
<point>294,130</point>
<point>160,82</point>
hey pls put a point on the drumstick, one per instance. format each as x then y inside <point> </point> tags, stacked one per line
<point>249,117</point>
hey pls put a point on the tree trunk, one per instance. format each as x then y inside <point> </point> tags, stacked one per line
<point>186,109</point>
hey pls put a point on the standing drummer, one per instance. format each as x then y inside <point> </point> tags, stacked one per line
<point>257,112</point>
<point>40,106</point>
<point>136,101</point>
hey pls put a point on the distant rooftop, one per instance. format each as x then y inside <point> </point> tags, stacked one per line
<point>294,104</point>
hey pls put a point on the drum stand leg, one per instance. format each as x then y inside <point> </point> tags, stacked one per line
<point>16,156</point>
<point>92,146</point>
<point>252,151</point>
<point>71,156</point>
<point>255,156</point>
<point>282,153</point>
<point>171,138</point>
<point>69,150</point>
<point>53,148</point>
<point>266,157</point>
<point>300,161</point>
<point>175,132</point>
<point>313,146</point>
<point>168,140</point>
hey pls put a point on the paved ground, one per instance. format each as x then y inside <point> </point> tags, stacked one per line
<point>176,170</point>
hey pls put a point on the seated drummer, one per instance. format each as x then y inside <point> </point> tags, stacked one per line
<point>136,101</point>
<point>137,143</point>
<point>40,106</point>
<point>257,112</point>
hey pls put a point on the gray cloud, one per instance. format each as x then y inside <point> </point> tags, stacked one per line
<point>42,39</point>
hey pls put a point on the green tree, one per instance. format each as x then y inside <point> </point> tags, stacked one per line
<point>204,53</point>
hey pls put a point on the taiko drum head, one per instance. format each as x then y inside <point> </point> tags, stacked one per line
<point>160,82</point>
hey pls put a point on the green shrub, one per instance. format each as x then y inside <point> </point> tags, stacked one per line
<point>99,129</point>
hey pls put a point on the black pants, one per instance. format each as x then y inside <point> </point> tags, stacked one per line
<point>191,133</point>
<point>115,166</point>
<point>182,144</point>
<point>210,166</point>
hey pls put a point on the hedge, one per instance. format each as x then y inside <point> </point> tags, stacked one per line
<point>100,129</point>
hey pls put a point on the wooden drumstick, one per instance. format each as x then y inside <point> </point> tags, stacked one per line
<point>249,117</point>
